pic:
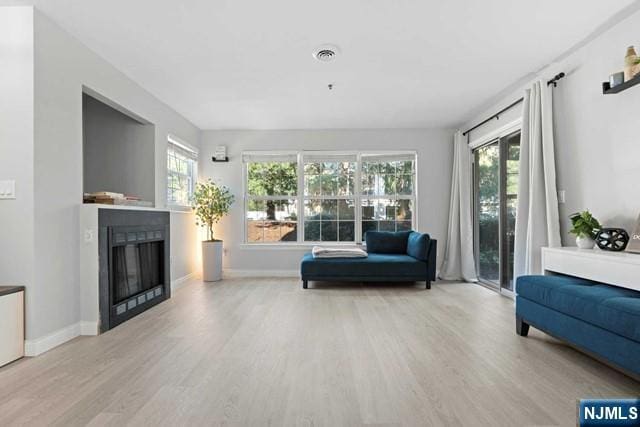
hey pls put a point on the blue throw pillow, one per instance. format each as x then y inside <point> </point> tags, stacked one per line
<point>387,242</point>
<point>418,245</point>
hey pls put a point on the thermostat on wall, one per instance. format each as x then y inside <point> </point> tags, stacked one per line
<point>220,154</point>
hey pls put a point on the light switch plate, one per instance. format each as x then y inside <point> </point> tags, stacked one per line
<point>562,196</point>
<point>7,189</point>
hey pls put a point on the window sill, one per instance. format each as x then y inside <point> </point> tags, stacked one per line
<point>295,246</point>
<point>180,209</point>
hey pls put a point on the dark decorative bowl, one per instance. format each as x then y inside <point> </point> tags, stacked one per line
<point>612,239</point>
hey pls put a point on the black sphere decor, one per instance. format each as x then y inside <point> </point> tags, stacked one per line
<point>612,239</point>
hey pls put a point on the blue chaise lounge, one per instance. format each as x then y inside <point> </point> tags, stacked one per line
<point>601,320</point>
<point>403,256</point>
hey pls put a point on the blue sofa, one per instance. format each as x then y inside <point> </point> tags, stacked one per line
<point>403,256</point>
<point>601,320</point>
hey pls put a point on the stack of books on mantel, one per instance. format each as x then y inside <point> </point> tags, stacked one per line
<point>109,198</point>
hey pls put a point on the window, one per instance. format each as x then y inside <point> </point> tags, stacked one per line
<point>271,198</point>
<point>327,196</point>
<point>182,162</point>
<point>387,193</point>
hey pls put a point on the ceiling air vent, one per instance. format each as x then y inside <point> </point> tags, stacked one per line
<point>326,53</point>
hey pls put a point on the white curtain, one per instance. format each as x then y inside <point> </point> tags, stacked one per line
<point>537,221</point>
<point>458,256</point>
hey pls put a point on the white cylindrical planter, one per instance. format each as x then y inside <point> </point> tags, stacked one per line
<point>212,261</point>
<point>585,242</point>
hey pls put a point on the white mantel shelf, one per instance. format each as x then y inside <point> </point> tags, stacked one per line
<point>614,268</point>
<point>96,206</point>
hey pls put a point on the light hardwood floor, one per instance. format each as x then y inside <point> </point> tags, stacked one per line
<point>266,352</point>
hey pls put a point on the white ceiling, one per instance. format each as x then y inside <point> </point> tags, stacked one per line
<point>234,64</point>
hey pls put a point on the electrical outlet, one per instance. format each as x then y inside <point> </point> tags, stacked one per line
<point>562,196</point>
<point>88,235</point>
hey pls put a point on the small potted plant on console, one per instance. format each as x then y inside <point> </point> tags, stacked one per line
<point>210,203</point>
<point>585,227</point>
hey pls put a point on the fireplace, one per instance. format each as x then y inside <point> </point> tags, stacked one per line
<point>134,263</point>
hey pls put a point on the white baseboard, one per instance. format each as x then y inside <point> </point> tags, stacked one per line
<point>43,344</point>
<point>182,281</point>
<point>54,339</point>
<point>234,274</point>
<point>88,328</point>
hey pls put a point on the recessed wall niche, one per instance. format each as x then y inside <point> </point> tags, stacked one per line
<point>118,150</point>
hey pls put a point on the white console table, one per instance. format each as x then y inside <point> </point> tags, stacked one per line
<point>614,268</point>
<point>11,323</point>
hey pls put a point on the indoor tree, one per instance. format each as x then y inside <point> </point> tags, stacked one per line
<point>210,203</point>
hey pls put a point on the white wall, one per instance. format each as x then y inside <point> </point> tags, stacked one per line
<point>435,153</point>
<point>185,246</point>
<point>16,145</point>
<point>63,66</point>
<point>596,135</point>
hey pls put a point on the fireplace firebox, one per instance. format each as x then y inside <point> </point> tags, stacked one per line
<point>134,263</point>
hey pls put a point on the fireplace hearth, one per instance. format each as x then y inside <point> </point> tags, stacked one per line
<point>134,263</point>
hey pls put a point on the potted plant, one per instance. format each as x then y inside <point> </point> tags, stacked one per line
<point>584,227</point>
<point>636,68</point>
<point>210,203</point>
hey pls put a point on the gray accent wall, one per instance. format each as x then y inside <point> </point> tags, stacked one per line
<point>596,135</point>
<point>435,159</point>
<point>118,151</point>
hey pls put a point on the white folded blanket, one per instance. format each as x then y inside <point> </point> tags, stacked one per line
<point>320,252</point>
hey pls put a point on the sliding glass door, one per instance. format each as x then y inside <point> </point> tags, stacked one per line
<point>487,212</point>
<point>495,167</point>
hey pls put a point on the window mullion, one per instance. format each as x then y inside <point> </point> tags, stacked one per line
<point>245,199</point>
<point>300,198</point>
<point>357,189</point>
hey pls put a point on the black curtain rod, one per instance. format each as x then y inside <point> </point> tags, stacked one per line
<point>495,116</point>
<point>553,81</point>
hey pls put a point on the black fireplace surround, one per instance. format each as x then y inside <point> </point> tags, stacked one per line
<point>134,263</point>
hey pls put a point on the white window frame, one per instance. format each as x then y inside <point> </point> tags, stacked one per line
<point>353,196</point>
<point>246,197</point>
<point>413,197</point>
<point>301,198</point>
<point>174,141</point>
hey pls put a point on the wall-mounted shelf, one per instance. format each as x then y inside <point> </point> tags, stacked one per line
<point>215,160</point>
<point>608,90</point>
